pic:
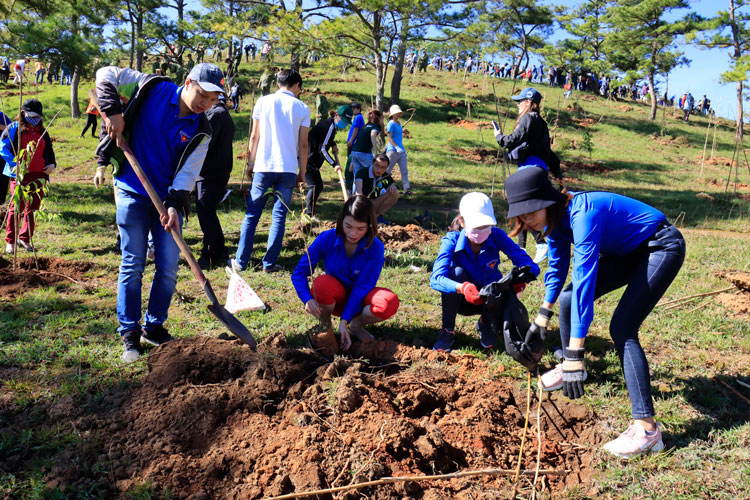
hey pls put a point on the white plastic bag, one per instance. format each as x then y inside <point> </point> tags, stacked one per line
<point>240,297</point>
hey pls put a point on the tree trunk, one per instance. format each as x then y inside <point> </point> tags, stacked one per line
<point>736,56</point>
<point>75,111</point>
<point>132,43</point>
<point>139,41</point>
<point>652,114</point>
<point>398,71</point>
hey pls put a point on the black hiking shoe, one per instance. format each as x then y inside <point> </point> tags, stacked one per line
<point>155,335</point>
<point>131,344</point>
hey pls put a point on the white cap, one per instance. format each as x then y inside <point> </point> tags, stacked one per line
<point>476,210</point>
<point>395,109</point>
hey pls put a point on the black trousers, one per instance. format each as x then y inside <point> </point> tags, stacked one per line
<point>314,188</point>
<point>210,194</point>
<point>536,234</point>
<point>90,122</point>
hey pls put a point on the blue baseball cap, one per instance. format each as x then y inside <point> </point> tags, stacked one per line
<point>529,93</point>
<point>208,76</point>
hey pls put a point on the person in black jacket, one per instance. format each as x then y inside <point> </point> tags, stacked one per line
<point>321,139</point>
<point>212,184</point>
<point>529,146</point>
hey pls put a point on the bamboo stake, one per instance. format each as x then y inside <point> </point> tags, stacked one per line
<point>249,134</point>
<point>402,479</point>
<point>538,434</point>
<point>732,165</point>
<point>689,298</point>
<point>705,144</point>
<point>523,436</point>
<point>713,145</point>
<point>734,391</point>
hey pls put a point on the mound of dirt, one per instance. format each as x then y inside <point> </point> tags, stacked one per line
<point>668,140</point>
<point>408,237</point>
<point>479,155</point>
<point>353,79</point>
<point>26,276</point>
<point>625,107</point>
<point>739,302</point>
<point>423,84</point>
<point>596,166</point>
<point>395,237</point>
<point>444,102</point>
<point>217,420</point>
<point>468,124</point>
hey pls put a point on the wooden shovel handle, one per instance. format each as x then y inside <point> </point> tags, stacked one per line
<point>343,186</point>
<point>156,200</point>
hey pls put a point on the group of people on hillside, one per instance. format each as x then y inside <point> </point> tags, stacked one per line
<point>182,137</point>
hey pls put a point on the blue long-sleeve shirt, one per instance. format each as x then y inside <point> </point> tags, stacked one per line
<point>483,269</point>
<point>359,273</point>
<point>597,223</point>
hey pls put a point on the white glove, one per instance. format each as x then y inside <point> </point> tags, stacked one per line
<point>99,179</point>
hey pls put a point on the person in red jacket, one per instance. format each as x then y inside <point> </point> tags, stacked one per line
<point>29,124</point>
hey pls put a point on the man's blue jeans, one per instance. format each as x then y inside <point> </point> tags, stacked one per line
<point>136,216</point>
<point>282,185</point>
<point>647,273</point>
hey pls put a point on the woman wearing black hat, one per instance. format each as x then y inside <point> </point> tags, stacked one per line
<point>617,241</point>
<point>529,146</point>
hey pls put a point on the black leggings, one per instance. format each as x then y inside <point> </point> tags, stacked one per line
<point>90,122</point>
<point>314,187</point>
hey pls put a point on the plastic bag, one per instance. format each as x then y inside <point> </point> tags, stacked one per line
<point>240,297</point>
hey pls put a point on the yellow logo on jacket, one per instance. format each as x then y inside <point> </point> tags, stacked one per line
<point>493,264</point>
<point>184,137</point>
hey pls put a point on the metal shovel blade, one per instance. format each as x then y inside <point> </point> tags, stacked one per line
<point>228,319</point>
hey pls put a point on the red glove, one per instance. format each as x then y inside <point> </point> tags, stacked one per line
<point>471,294</point>
<point>519,287</point>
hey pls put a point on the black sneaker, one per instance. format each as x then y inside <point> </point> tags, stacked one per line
<point>486,335</point>
<point>155,335</point>
<point>131,343</point>
<point>204,262</point>
<point>273,269</point>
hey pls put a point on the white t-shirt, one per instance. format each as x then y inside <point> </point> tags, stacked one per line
<point>280,116</point>
<point>22,64</point>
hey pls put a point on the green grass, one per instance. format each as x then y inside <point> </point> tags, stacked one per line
<point>60,342</point>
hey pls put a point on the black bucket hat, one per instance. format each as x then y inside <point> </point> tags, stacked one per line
<point>529,190</point>
<point>32,108</point>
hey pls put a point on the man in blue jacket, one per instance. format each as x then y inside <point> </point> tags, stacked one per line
<point>165,127</point>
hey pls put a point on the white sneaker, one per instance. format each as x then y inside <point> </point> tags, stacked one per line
<point>235,266</point>
<point>553,381</point>
<point>634,441</point>
<point>541,252</point>
<point>10,248</point>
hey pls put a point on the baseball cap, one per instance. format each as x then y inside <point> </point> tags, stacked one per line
<point>528,93</point>
<point>476,210</point>
<point>208,76</point>
<point>355,104</point>
<point>529,190</point>
<point>32,108</point>
<point>345,112</point>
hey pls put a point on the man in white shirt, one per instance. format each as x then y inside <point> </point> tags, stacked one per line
<point>19,68</point>
<point>278,158</point>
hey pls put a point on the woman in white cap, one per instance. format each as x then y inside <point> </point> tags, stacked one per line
<point>395,147</point>
<point>617,242</point>
<point>469,258</point>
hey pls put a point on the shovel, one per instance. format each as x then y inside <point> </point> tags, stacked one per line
<point>343,186</point>
<point>227,319</point>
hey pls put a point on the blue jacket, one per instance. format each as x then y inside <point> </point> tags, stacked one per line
<point>171,150</point>
<point>359,273</point>
<point>597,223</point>
<point>483,269</point>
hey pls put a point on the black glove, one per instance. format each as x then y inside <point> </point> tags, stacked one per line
<point>574,373</point>
<point>178,199</point>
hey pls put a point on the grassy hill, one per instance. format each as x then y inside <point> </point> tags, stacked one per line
<point>58,343</point>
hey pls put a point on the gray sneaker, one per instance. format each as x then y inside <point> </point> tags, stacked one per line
<point>131,343</point>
